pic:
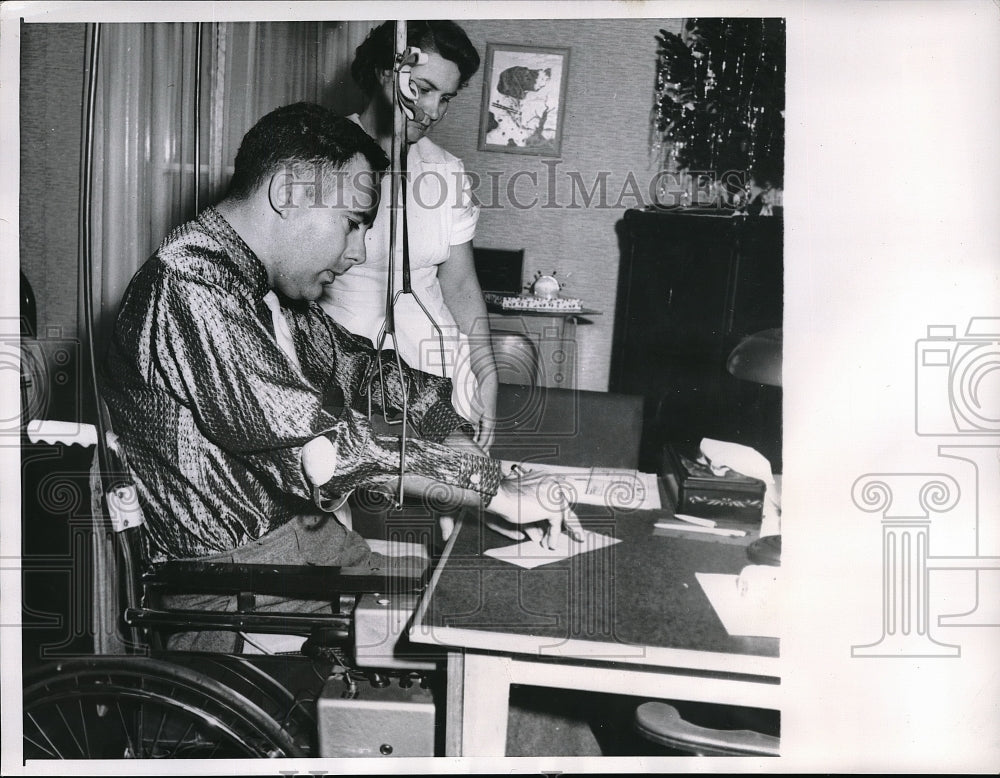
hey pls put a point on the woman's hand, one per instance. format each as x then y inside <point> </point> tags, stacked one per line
<point>528,498</point>
<point>486,407</point>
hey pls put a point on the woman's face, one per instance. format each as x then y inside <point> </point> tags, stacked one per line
<point>436,82</point>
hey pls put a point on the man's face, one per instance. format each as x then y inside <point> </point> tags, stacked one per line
<point>320,238</point>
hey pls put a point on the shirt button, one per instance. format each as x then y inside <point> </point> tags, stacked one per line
<point>474,479</point>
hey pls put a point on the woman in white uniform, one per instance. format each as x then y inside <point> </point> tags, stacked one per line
<point>441,222</point>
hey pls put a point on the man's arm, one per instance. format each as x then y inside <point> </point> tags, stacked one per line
<point>248,398</point>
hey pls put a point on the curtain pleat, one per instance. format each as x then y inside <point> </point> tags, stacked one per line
<point>144,131</point>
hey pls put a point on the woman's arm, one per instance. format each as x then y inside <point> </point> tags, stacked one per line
<point>464,298</point>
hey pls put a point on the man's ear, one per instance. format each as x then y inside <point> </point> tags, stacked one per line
<point>279,193</point>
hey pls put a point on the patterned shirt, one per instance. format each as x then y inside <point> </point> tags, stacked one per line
<point>212,415</point>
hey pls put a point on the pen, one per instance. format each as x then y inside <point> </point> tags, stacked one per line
<point>733,533</point>
<point>694,520</point>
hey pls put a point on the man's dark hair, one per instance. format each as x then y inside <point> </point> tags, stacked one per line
<point>376,54</point>
<point>301,132</point>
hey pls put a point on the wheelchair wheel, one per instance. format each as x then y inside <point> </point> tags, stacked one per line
<point>284,687</point>
<point>141,708</point>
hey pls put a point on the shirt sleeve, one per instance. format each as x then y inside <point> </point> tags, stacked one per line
<point>216,356</point>
<point>465,216</point>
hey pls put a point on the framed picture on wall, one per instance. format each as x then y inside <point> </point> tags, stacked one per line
<point>524,99</point>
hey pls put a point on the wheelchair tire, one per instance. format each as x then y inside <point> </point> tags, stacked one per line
<point>142,708</point>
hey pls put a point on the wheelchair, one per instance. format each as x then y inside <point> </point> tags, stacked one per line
<point>354,687</point>
<point>136,698</point>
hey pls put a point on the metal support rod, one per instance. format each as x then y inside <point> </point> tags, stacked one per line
<point>197,117</point>
<point>84,232</point>
<point>398,243</point>
<point>397,203</point>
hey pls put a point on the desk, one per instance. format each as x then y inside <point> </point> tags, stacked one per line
<point>628,619</point>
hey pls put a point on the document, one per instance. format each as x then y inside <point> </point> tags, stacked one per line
<point>531,554</point>
<point>618,488</point>
<point>741,613</point>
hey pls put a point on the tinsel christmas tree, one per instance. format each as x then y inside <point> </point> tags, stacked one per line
<point>720,99</point>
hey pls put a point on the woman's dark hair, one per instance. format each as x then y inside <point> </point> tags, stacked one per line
<point>444,37</point>
<point>301,132</point>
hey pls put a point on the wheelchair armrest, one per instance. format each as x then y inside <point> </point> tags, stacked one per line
<point>298,581</point>
<point>335,625</point>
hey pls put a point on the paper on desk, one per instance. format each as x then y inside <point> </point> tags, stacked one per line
<point>531,554</point>
<point>613,487</point>
<point>740,614</point>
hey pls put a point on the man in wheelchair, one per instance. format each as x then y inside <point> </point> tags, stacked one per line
<point>245,416</point>
<point>240,406</point>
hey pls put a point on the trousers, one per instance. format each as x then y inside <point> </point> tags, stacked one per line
<point>304,540</point>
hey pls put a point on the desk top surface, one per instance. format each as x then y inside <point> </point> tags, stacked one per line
<point>633,601</point>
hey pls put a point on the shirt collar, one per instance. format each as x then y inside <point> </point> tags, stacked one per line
<point>423,150</point>
<point>247,265</point>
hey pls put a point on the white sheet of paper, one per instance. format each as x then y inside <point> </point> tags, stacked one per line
<point>531,554</point>
<point>738,615</point>
<point>619,488</point>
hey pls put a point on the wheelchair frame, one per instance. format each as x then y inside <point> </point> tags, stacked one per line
<point>139,699</point>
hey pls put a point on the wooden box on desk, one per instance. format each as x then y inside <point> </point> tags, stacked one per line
<point>697,491</point>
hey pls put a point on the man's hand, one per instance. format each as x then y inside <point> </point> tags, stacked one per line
<point>528,498</point>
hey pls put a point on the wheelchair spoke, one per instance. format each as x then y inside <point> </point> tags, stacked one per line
<point>139,721</point>
<point>215,750</point>
<point>69,729</point>
<point>147,709</point>
<point>125,730</point>
<point>41,747</point>
<point>83,724</point>
<point>159,730</point>
<point>51,749</point>
<point>182,739</point>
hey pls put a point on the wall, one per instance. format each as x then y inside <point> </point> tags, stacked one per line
<point>52,76</point>
<point>605,130</point>
<point>612,72</point>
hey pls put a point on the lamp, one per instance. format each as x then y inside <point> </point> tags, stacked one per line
<point>757,358</point>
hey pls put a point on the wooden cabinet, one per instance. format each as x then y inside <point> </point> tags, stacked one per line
<point>691,285</point>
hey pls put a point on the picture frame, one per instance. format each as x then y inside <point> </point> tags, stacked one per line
<point>524,99</point>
